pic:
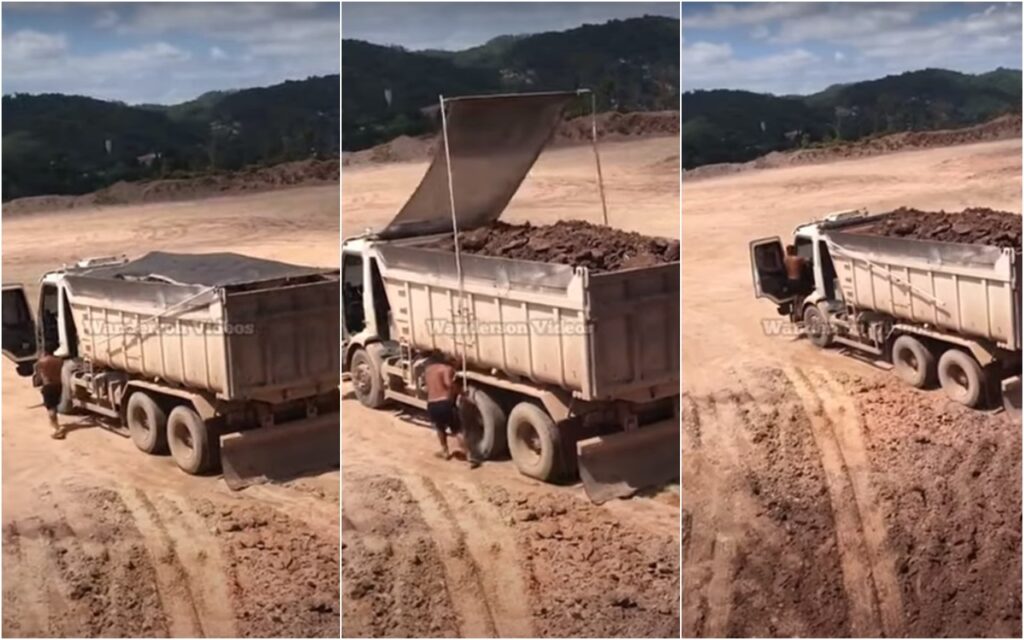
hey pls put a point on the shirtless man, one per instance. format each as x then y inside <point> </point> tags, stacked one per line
<point>795,267</point>
<point>442,395</point>
<point>47,369</point>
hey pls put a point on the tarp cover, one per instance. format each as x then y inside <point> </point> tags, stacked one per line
<point>204,269</point>
<point>493,141</point>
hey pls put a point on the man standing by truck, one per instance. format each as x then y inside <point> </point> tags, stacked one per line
<point>443,392</point>
<point>48,369</point>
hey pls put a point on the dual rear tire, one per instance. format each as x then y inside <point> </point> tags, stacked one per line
<point>958,372</point>
<point>193,444</point>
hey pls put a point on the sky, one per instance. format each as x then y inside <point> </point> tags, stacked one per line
<point>800,48</point>
<point>457,25</point>
<point>164,53</point>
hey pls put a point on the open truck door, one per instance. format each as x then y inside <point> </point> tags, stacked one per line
<point>20,343</point>
<point>767,264</point>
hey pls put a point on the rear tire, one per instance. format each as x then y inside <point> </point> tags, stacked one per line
<point>366,379</point>
<point>147,423</point>
<point>913,362</point>
<point>816,327</point>
<point>961,378</point>
<point>534,442</point>
<point>195,447</point>
<point>486,419</point>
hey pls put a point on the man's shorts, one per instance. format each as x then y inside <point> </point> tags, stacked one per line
<point>51,396</point>
<point>444,415</point>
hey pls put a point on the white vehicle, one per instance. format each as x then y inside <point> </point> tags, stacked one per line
<point>218,359</point>
<point>937,311</point>
<point>566,369</point>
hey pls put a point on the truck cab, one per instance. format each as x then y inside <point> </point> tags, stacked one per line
<point>51,329</point>
<point>365,310</point>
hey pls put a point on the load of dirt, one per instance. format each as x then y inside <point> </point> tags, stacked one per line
<point>573,242</point>
<point>1001,128</point>
<point>976,225</point>
<point>611,127</point>
<point>252,179</point>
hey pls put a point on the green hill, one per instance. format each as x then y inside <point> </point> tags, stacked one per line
<point>60,144</point>
<point>632,65</point>
<point>736,126</point>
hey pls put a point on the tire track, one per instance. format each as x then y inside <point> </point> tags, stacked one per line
<point>29,581</point>
<point>172,580</point>
<point>491,545</point>
<point>476,619</point>
<point>871,608</point>
<point>199,555</point>
<point>849,432</point>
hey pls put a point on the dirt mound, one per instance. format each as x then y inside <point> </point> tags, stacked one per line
<point>970,226</point>
<point>253,179</point>
<point>284,574</point>
<point>952,487</point>
<point>391,566</point>
<point>1003,127</point>
<point>611,127</point>
<point>592,575</point>
<point>573,242</point>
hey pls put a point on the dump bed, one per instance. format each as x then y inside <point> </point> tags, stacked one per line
<point>263,335</point>
<point>972,290</point>
<point>603,336</point>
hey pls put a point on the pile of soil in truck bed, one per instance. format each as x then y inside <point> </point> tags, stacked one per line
<point>970,226</point>
<point>572,242</point>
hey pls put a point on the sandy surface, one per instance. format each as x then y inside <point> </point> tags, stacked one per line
<point>820,497</point>
<point>100,539</point>
<point>432,548</point>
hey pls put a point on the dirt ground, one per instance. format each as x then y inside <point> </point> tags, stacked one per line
<point>434,549</point>
<point>820,496</point>
<point>100,539</point>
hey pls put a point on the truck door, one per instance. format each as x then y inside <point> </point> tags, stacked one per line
<point>19,329</point>
<point>353,318</point>
<point>769,271</point>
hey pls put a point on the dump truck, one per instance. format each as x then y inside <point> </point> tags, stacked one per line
<point>221,360</point>
<point>936,311</point>
<point>566,370</point>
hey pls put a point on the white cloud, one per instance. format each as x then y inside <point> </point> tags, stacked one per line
<point>27,47</point>
<point>839,56</point>
<point>216,53</point>
<point>724,16</point>
<point>714,65</point>
<point>107,19</point>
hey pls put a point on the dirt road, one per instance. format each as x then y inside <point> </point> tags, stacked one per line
<point>102,540</point>
<point>432,548</point>
<point>821,498</point>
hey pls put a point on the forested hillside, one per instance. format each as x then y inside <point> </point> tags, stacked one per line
<point>59,144</point>
<point>736,126</point>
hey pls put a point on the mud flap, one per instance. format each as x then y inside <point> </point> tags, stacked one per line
<point>620,464</point>
<point>1011,397</point>
<point>281,452</point>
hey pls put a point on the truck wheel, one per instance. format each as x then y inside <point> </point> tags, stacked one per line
<point>961,377</point>
<point>816,327</point>
<point>366,380</point>
<point>67,371</point>
<point>913,361</point>
<point>147,423</point>
<point>485,425</point>
<point>194,446</point>
<point>534,442</point>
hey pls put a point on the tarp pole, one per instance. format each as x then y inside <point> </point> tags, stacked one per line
<point>597,155</point>
<point>455,233</point>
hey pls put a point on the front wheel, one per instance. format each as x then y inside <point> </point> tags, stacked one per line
<point>961,378</point>
<point>194,446</point>
<point>366,380</point>
<point>816,327</point>
<point>534,442</point>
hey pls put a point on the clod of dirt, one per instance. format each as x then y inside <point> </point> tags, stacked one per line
<point>573,242</point>
<point>976,225</point>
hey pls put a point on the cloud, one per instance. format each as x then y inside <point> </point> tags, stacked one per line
<point>724,16</point>
<point>27,47</point>
<point>107,19</point>
<point>712,65</point>
<point>216,53</point>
